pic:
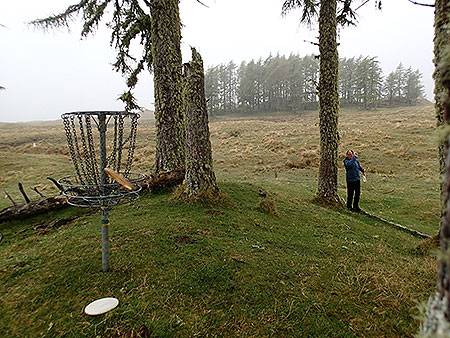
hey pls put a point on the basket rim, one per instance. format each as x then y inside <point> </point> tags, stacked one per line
<point>101,112</point>
<point>140,178</point>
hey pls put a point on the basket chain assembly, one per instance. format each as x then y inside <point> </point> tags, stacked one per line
<point>91,187</point>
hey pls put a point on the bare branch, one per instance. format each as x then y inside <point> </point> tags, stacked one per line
<point>420,4</point>
<point>56,183</point>
<point>312,43</point>
<point>202,3</point>
<point>9,197</point>
<point>361,5</point>
<point>37,191</point>
<point>22,191</point>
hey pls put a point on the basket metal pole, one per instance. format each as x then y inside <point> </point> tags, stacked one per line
<point>103,182</point>
<point>105,242</point>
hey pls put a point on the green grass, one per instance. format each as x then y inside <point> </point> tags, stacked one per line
<point>311,271</point>
<point>182,271</point>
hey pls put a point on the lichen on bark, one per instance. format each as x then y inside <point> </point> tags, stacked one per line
<point>436,323</point>
<point>441,39</point>
<point>200,180</point>
<point>168,83</point>
<point>328,102</point>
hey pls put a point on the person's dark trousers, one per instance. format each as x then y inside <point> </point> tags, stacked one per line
<point>353,188</point>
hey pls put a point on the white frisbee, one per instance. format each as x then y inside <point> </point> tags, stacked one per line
<point>101,306</point>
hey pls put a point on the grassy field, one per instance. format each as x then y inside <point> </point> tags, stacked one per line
<point>232,269</point>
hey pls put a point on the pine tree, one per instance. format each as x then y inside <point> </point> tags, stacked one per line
<point>441,80</point>
<point>400,81</point>
<point>437,323</point>
<point>157,26</point>
<point>247,86</point>
<point>212,90</point>
<point>168,80</point>
<point>328,86</point>
<point>328,102</point>
<point>413,86</point>
<point>368,82</point>
<point>389,87</point>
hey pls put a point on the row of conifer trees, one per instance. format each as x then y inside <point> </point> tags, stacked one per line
<point>290,84</point>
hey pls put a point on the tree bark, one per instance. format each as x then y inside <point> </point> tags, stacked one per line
<point>200,179</point>
<point>168,82</point>
<point>328,102</point>
<point>32,208</point>
<point>163,180</point>
<point>441,38</point>
<point>442,88</point>
<point>437,321</point>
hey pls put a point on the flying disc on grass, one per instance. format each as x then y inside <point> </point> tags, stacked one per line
<point>101,306</point>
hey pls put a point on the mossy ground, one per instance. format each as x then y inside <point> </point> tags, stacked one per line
<point>231,269</point>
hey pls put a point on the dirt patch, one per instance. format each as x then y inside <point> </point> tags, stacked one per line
<point>214,212</point>
<point>184,240</point>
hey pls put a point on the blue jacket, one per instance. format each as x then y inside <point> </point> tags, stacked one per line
<point>353,168</point>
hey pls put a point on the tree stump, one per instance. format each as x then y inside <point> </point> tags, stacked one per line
<point>200,180</point>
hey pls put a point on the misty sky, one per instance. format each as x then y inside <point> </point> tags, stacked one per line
<point>47,74</point>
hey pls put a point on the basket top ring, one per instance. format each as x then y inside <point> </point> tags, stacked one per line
<point>98,113</point>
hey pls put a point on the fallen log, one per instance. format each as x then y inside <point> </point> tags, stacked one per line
<point>44,204</point>
<point>398,226</point>
<point>33,208</point>
<point>163,180</point>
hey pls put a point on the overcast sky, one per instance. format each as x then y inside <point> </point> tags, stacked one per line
<point>47,74</point>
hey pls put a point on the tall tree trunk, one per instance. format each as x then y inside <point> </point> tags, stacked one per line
<point>437,321</point>
<point>200,179</point>
<point>441,49</point>
<point>168,80</point>
<point>328,102</point>
<point>441,38</point>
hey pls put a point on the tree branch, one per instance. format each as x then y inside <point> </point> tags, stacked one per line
<point>420,4</point>
<point>22,191</point>
<point>37,191</point>
<point>202,3</point>
<point>61,189</point>
<point>361,5</point>
<point>9,197</point>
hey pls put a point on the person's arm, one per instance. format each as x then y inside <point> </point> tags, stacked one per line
<point>359,165</point>
<point>361,169</point>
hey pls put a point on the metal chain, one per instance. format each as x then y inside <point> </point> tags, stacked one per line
<point>82,147</point>
<point>81,174</point>
<point>92,157</point>
<point>114,150</point>
<point>134,119</point>
<point>119,143</point>
<point>88,163</point>
<point>70,142</point>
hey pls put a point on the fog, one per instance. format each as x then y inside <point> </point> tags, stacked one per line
<point>48,73</point>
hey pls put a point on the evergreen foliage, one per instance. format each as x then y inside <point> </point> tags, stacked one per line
<point>155,24</point>
<point>281,83</point>
<point>130,22</point>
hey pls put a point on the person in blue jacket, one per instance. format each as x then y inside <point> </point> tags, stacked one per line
<point>353,168</point>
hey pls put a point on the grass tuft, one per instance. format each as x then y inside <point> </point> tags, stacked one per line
<point>268,206</point>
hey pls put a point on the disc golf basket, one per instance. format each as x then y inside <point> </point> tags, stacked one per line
<point>91,153</point>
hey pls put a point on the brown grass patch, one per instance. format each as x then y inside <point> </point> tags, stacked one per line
<point>268,206</point>
<point>306,159</point>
